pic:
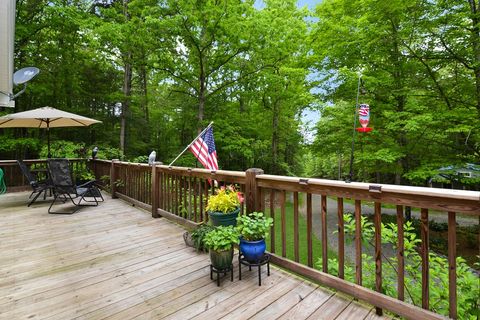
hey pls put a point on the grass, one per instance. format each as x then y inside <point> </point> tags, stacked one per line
<point>302,235</point>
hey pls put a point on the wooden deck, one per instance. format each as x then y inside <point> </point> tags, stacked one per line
<point>114,261</point>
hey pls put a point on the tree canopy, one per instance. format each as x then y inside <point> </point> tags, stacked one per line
<point>157,72</point>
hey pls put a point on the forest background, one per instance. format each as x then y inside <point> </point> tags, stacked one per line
<point>157,72</point>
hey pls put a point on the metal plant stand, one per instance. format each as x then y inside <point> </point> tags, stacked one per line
<point>219,271</point>
<point>264,260</point>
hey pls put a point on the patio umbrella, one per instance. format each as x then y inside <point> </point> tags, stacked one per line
<point>45,118</point>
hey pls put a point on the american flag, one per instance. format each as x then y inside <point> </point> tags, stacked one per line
<point>204,149</point>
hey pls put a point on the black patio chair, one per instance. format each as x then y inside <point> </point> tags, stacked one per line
<point>64,188</point>
<point>38,187</point>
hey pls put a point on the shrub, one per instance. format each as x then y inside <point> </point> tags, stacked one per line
<point>468,290</point>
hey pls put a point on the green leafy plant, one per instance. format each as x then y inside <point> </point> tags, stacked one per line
<point>83,174</point>
<point>198,236</point>
<point>254,227</point>
<point>468,290</point>
<point>225,199</point>
<point>221,238</point>
<point>64,149</point>
<point>108,153</point>
<point>106,182</point>
<point>140,159</point>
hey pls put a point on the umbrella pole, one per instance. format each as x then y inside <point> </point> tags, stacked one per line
<point>48,139</point>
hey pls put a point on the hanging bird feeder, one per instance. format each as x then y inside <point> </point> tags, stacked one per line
<point>364,118</point>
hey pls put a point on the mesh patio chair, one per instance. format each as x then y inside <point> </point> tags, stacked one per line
<point>64,188</point>
<point>38,187</point>
<point>3,187</point>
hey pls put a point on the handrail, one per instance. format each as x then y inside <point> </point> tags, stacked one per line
<point>432,198</point>
<point>423,191</point>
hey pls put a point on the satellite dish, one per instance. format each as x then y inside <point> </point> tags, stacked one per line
<point>24,75</point>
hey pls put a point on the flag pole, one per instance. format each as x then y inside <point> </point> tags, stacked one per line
<point>211,123</point>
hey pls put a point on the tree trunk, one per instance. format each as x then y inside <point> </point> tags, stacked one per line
<point>275,135</point>
<point>475,39</point>
<point>127,90</point>
<point>400,98</point>
<point>201,94</point>
<point>143,75</point>
<point>127,87</point>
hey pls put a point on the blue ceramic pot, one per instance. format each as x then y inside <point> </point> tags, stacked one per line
<point>224,219</point>
<point>252,250</point>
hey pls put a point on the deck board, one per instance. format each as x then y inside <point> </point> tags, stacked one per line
<point>116,262</point>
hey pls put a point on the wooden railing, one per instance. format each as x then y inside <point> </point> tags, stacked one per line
<point>14,178</point>
<point>180,194</point>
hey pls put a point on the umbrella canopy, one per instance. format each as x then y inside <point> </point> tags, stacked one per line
<point>45,118</point>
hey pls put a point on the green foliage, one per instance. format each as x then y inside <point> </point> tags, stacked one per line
<point>140,159</point>
<point>106,182</point>
<point>225,199</point>
<point>12,144</point>
<point>82,173</point>
<point>254,226</point>
<point>221,238</point>
<point>109,153</point>
<point>468,291</point>
<point>198,236</point>
<point>64,149</point>
<point>417,77</point>
<point>253,71</point>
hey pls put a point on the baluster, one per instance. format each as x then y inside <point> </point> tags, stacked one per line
<point>284,231</point>
<point>452,265</point>
<point>242,206</point>
<point>155,192</point>
<point>183,193</point>
<point>178,195</point>
<point>190,202</point>
<point>425,262</point>
<point>160,194</point>
<point>324,235</point>
<point>272,215</point>
<point>358,242</point>
<point>378,251</point>
<point>206,184</point>
<point>200,192</point>
<point>295,227</point>
<point>261,199</point>
<point>145,197</point>
<point>341,239</point>
<point>309,230</point>
<point>169,192</point>
<point>400,255</point>
<point>195,194</point>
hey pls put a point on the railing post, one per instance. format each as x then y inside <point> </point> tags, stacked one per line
<point>252,196</point>
<point>154,191</point>
<point>113,186</point>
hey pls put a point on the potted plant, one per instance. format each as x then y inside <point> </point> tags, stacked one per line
<point>198,237</point>
<point>253,229</point>
<point>220,242</point>
<point>223,207</point>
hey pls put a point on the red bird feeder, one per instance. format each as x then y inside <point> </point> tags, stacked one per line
<point>364,117</point>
